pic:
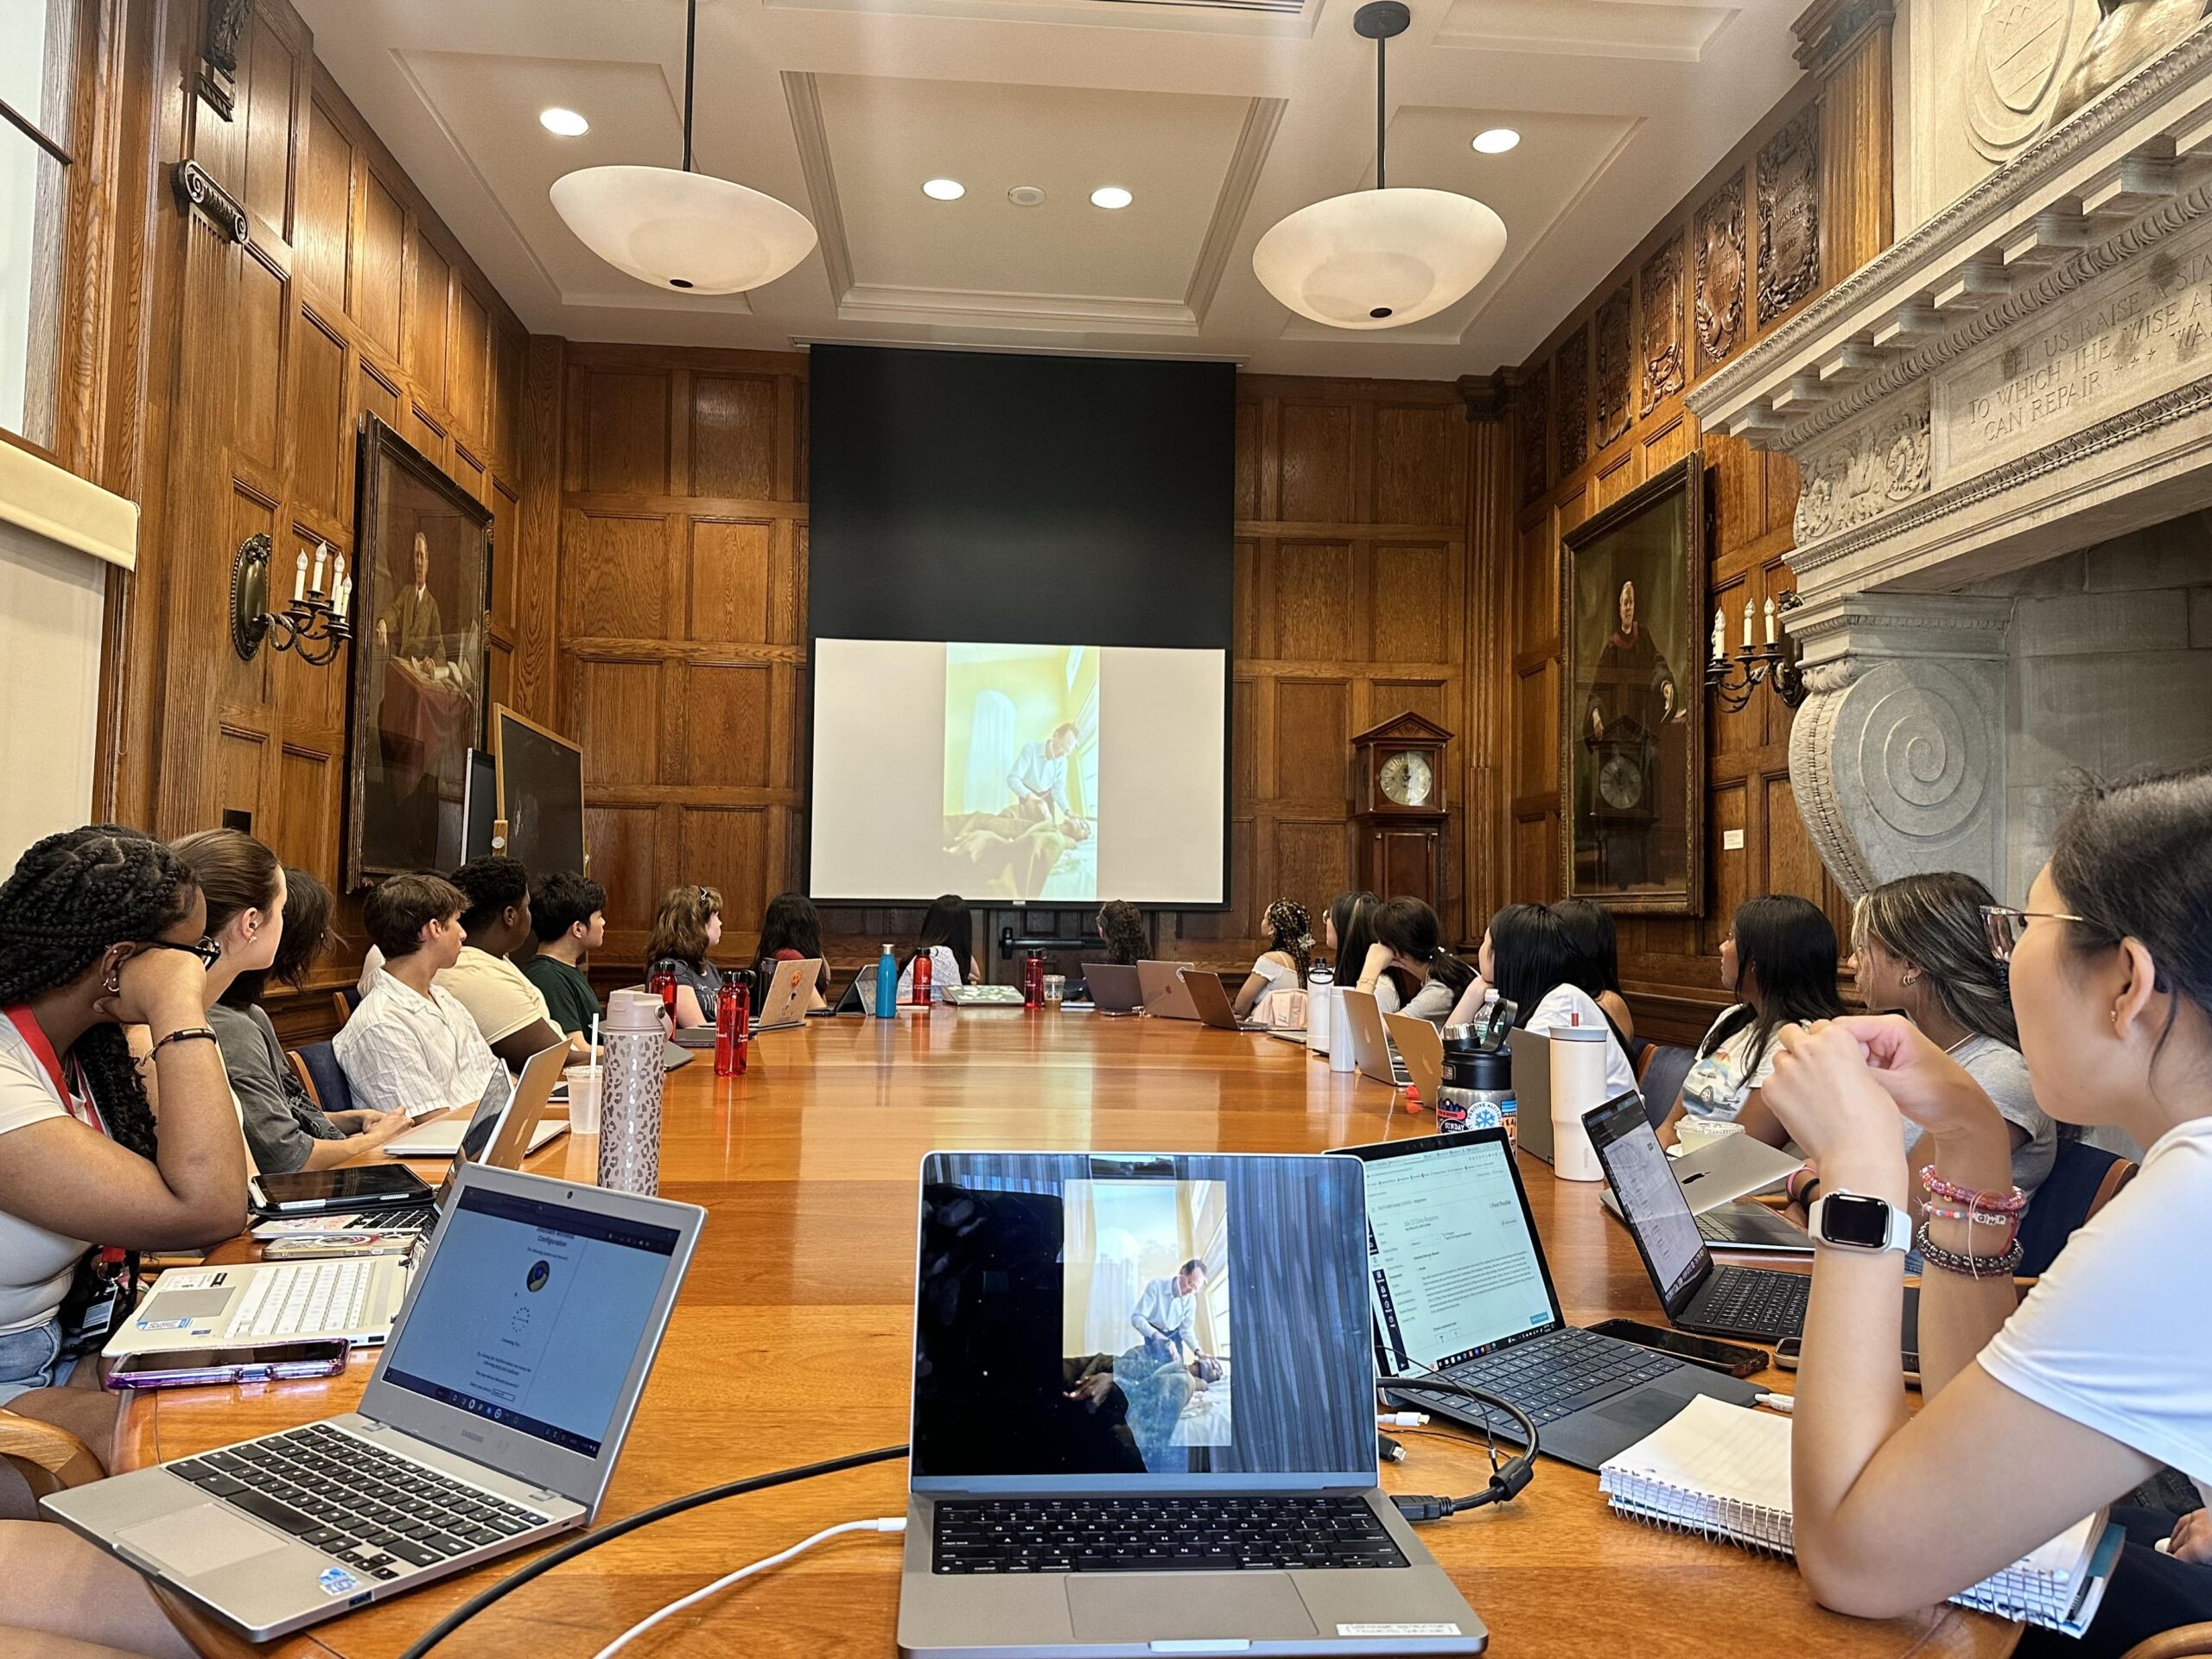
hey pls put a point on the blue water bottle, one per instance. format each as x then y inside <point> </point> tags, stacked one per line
<point>886,986</point>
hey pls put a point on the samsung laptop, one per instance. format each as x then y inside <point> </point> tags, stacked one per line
<point>1207,1488</point>
<point>516,1115</point>
<point>1532,1091</point>
<point>1371,1049</point>
<point>1113,986</point>
<point>783,1005</point>
<point>1460,1286</point>
<point>494,1420</point>
<point>1722,1171</point>
<point>1211,1000</point>
<point>1757,1303</point>
<point>1166,995</point>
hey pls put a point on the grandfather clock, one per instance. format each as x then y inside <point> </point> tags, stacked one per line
<point>1399,772</point>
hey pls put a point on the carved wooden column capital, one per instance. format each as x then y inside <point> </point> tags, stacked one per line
<point>1827,30</point>
<point>1487,395</point>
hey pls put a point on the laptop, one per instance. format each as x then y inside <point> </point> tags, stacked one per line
<point>1420,1048</point>
<point>1460,1286</point>
<point>1371,1050</point>
<point>860,996</point>
<point>1076,1492</point>
<point>516,1116</point>
<point>1115,987</point>
<point>1754,1304</point>
<point>1166,995</point>
<point>783,1005</point>
<point>1210,999</point>
<point>353,1297</point>
<point>1532,1091</point>
<point>494,1417</point>
<point>1722,1171</point>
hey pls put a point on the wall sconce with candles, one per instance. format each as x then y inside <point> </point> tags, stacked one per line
<point>1732,681</point>
<point>314,623</point>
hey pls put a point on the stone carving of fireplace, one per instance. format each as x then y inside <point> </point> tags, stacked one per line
<point>1984,415</point>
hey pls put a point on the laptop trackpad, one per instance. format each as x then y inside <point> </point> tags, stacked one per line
<point>1187,1606</point>
<point>199,1540</point>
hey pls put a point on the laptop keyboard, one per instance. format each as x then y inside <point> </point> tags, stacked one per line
<point>311,1296</point>
<point>1750,1300</point>
<point>414,1218</point>
<point>367,1509</point>
<point>1159,1535</point>
<point>1552,1377</point>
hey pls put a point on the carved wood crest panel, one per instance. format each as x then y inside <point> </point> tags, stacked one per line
<point>1790,214</point>
<point>1571,373</point>
<point>1615,384</point>
<point>1531,426</point>
<point>1660,285</point>
<point>1718,238</point>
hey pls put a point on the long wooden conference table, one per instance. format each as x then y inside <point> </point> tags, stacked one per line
<point>792,1342</point>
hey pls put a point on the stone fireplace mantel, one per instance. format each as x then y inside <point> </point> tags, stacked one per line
<point>2027,374</point>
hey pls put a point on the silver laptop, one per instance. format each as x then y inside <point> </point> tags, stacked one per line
<point>1532,1091</point>
<point>1372,1050</point>
<point>783,1004</point>
<point>1722,1171</point>
<point>502,1108</point>
<point>353,1297</point>
<point>1113,986</point>
<point>1165,996</point>
<point>1211,1000</point>
<point>1103,1439</point>
<point>494,1417</point>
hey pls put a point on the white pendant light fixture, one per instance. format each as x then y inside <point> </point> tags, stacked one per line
<point>681,229</point>
<point>1379,258</point>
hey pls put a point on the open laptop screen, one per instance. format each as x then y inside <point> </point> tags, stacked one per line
<point>1455,1268</point>
<point>530,1314</point>
<point>1651,1201</point>
<point>1137,1318</point>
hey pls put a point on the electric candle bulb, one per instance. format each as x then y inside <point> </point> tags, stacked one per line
<point>300,578</point>
<point>1747,622</point>
<point>323,553</point>
<point>1720,637</point>
<point>1769,621</point>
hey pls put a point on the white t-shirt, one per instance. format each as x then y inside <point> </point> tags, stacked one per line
<point>1280,974</point>
<point>35,1265</point>
<point>944,969</point>
<point>2114,1336</point>
<point>1717,1083</point>
<point>1565,1005</point>
<point>497,995</point>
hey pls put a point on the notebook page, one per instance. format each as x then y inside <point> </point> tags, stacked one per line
<point>1717,1451</point>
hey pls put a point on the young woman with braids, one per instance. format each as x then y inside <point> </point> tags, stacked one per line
<point>1286,961</point>
<point>100,928</point>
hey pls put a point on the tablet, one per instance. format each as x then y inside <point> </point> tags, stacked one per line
<point>318,1192</point>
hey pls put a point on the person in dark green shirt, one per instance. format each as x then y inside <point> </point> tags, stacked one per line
<point>569,914</point>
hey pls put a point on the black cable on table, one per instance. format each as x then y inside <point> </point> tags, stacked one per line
<point>576,1546</point>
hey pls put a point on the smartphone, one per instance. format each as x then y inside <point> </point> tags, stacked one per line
<point>268,1361</point>
<point>1790,1350</point>
<point>1731,1358</point>
<point>322,1192</point>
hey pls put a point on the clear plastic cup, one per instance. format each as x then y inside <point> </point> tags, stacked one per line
<point>583,1099</point>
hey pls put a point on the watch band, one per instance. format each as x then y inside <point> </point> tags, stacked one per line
<point>1898,1228</point>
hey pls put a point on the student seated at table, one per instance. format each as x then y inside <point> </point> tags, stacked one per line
<point>1920,946</point>
<point>945,935</point>
<point>1597,965</point>
<point>1528,959</point>
<point>412,1044</point>
<point>568,912</point>
<point>508,1009</point>
<point>1286,961</point>
<point>269,921</point>
<point>689,927</point>
<point>790,930</point>
<point>1407,955</point>
<point>1121,927</point>
<point>1779,960</point>
<point>1350,935</point>
<point>2033,1415</point>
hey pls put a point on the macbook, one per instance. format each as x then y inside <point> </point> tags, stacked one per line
<point>513,1117</point>
<point>1722,1171</point>
<point>1371,1045</point>
<point>1211,1002</point>
<point>1165,996</point>
<point>1458,1285</point>
<point>493,1421</point>
<point>1144,1417</point>
<point>1113,986</point>
<point>783,1005</point>
<point>1421,1053</point>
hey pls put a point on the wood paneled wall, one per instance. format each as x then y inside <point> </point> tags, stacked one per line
<point>1725,266</point>
<point>682,631</point>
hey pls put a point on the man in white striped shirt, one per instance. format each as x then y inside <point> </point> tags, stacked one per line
<point>411,1046</point>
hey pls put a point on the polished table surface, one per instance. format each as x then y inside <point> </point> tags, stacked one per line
<point>792,1342</point>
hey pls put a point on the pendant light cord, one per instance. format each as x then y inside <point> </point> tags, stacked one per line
<point>1381,59</point>
<point>690,58</point>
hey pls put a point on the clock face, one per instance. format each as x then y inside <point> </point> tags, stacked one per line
<point>1406,780</point>
<point>1620,780</point>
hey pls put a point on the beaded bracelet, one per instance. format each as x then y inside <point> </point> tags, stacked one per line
<point>2010,1204</point>
<point>1979,1217</point>
<point>1961,1261</point>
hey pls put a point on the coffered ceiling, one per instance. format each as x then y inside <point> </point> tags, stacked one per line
<point>1219,116</point>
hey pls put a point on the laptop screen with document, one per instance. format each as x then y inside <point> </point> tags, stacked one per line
<point>1651,1201</point>
<point>1140,1320</point>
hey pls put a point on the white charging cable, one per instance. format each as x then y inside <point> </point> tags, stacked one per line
<point>1402,1420</point>
<point>883,1523</point>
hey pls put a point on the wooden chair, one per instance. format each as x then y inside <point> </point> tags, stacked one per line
<point>1659,1074</point>
<point>48,1458</point>
<point>2183,1641</point>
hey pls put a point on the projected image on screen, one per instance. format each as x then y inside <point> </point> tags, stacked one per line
<point>1017,772</point>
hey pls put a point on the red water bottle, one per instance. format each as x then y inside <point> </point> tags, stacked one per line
<point>661,982</point>
<point>732,1024</point>
<point>921,979</point>
<point>1033,979</point>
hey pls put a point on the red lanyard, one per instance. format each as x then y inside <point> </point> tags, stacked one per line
<point>87,1111</point>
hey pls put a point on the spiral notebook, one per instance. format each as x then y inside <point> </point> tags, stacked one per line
<point>1723,1472</point>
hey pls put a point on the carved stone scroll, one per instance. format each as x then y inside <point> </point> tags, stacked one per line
<point>1719,241</point>
<point>1615,383</point>
<point>1661,286</point>
<point>1790,214</point>
<point>1571,375</point>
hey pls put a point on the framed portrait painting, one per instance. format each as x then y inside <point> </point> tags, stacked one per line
<point>1632,712</point>
<point>424,552</point>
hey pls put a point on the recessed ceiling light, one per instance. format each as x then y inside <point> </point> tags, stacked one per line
<point>566,122</point>
<point>1025,195</point>
<point>944,189</point>
<point>1497,141</point>
<point>1110,195</point>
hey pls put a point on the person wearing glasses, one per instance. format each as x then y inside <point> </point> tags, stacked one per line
<point>100,928</point>
<point>689,927</point>
<point>2035,1415</point>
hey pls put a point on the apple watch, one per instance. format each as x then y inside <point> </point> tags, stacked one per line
<point>1853,1221</point>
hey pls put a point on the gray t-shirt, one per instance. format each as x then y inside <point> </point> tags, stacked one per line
<point>1433,1002</point>
<point>282,1121</point>
<point>2003,1076</point>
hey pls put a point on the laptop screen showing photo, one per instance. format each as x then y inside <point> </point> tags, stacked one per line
<point>1454,1267</point>
<point>1140,1317</point>
<point>1651,1201</point>
<point>530,1315</point>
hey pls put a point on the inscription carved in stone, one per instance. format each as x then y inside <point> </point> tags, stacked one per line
<point>1874,467</point>
<point>1719,244</point>
<point>1661,282</point>
<point>1790,214</point>
<point>1614,380</point>
<point>1531,416</point>
<point>1571,375</point>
